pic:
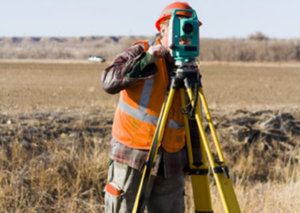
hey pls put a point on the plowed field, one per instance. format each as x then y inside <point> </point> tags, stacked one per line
<point>63,85</point>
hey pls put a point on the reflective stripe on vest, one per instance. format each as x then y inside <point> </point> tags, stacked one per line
<point>138,110</point>
<point>143,116</point>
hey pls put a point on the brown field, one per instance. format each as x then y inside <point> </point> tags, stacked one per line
<point>55,125</point>
<point>58,85</point>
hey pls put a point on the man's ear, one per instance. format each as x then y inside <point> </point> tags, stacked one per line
<point>163,30</point>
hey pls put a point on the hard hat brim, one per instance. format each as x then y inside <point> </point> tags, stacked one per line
<point>161,19</point>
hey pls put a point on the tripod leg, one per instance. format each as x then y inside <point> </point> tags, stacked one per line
<point>157,138</point>
<point>221,174</point>
<point>198,173</point>
<point>220,170</point>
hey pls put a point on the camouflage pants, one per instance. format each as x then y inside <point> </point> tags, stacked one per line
<point>164,194</point>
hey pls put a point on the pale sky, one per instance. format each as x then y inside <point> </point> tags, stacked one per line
<point>221,18</point>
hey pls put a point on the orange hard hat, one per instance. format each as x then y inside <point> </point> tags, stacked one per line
<point>167,12</point>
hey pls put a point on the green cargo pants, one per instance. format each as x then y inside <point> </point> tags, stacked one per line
<point>164,194</point>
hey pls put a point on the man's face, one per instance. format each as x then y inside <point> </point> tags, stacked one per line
<point>164,31</point>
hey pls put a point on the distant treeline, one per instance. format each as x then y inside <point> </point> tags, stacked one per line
<point>268,50</point>
<point>256,47</point>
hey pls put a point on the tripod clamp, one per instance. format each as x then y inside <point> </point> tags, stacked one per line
<point>222,169</point>
<point>187,76</point>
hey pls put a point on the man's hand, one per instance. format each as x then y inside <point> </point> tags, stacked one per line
<point>156,52</point>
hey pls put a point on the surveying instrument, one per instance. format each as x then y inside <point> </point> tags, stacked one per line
<point>187,81</point>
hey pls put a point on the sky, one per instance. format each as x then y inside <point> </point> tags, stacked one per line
<point>220,18</point>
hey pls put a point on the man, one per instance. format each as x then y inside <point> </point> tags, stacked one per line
<point>141,74</point>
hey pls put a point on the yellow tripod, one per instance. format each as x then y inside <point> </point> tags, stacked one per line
<point>187,80</point>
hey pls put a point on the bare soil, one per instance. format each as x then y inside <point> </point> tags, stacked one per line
<point>47,99</point>
<point>28,86</point>
<point>60,85</point>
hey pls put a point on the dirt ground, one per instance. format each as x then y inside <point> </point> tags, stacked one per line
<point>31,86</point>
<point>252,86</point>
<point>73,88</point>
<point>70,91</point>
<point>49,85</point>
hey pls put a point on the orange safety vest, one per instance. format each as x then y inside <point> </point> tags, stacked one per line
<point>139,108</point>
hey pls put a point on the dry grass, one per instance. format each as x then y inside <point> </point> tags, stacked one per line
<point>66,172</point>
<point>262,183</point>
<point>265,197</point>
<point>52,177</point>
<point>69,177</point>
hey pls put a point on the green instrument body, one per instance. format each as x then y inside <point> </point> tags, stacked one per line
<point>184,36</point>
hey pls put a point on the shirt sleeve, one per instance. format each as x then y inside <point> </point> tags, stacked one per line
<point>113,78</point>
<point>142,68</point>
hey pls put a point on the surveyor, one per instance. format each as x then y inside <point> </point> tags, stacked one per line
<point>141,74</point>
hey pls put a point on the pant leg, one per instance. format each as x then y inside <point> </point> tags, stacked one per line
<point>163,194</point>
<point>125,180</point>
<point>167,195</point>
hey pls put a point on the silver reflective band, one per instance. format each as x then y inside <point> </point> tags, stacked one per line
<point>138,114</point>
<point>174,125</point>
<point>143,116</point>
<point>146,94</point>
